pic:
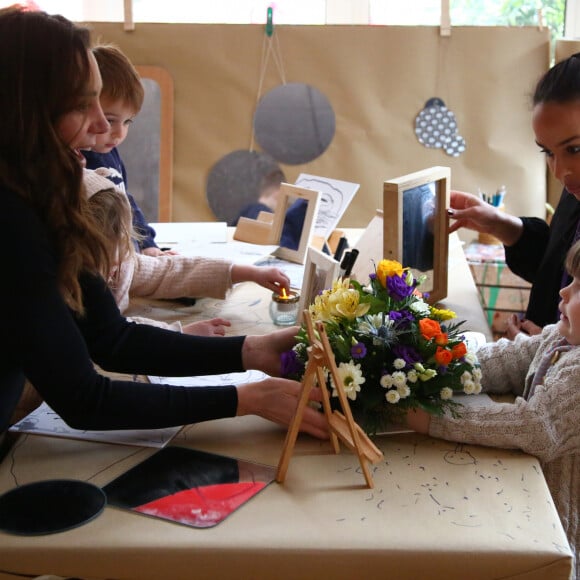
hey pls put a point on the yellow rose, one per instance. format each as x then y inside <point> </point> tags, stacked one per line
<point>388,268</point>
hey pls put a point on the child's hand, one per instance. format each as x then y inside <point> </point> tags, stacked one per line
<point>515,326</point>
<point>268,277</point>
<point>212,327</point>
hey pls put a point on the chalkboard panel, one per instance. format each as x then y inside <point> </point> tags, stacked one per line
<point>147,152</point>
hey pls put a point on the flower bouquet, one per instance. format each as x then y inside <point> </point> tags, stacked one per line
<point>393,351</point>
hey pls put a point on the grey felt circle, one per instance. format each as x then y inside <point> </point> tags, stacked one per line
<point>294,123</point>
<point>234,182</point>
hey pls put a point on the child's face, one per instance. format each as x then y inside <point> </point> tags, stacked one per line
<point>119,116</point>
<point>569,325</point>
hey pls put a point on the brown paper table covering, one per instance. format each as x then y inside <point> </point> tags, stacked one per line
<point>439,510</point>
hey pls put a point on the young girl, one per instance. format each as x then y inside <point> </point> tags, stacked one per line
<point>535,250</point>
<point>543,371</point>
<point>59,315</point>
<point>173,276</point>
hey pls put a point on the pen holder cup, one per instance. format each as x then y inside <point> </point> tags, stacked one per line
<point>284,308</point>
<point>488,239</point>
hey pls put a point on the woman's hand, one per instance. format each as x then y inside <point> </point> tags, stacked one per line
<point>264,352</point>
<point>211,327</point>
<point>470,211</point>
<point>277,399</point>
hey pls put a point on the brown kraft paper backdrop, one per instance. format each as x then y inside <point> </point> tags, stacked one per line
<point>377,79</point>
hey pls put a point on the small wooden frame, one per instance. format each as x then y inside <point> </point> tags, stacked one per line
<point>320,272</point>
<point>416,226</point>
<point>341,425</point>
<point>266,230</point>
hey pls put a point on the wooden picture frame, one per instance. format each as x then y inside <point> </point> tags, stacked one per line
<point>416,226</point>
<point>148,150</point>
<point>320,271</point>
<point>289,195</point>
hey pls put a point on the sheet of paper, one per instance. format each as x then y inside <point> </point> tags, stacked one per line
<point>335,197</point>
<point>44,421</point>
<point>174,233</point>
<point>212,380</point>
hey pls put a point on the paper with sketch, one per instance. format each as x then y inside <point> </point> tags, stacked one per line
<point>44,421</point>
<point>212,380</point>
<point>335,196</point>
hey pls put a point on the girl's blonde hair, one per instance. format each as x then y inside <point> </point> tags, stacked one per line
<point>111,212</point>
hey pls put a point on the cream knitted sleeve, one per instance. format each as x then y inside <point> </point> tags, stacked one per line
<point>545,426</point>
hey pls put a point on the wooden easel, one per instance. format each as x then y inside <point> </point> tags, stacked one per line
<point>341,425</point>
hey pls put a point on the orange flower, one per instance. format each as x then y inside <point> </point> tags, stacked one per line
<point>441,339</point>
<point>429,328</point>
<point>459,350</point>
<point>443,356</point>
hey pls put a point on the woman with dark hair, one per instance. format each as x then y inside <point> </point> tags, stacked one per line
<point>59,314</point>
<point>534,249</point>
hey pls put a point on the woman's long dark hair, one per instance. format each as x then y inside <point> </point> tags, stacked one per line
<point>44,71</point>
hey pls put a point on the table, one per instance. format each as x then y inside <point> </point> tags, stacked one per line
<point>439,510</point>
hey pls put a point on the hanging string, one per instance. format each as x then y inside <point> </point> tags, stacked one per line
<point>270,46</point>
<point>441,70</point>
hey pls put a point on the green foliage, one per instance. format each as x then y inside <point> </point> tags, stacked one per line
<point>510,13</point>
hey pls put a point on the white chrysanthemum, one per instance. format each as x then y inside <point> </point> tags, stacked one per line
<point>477,389</point>
<point>386,381</point>
<point>477,374</point>
<point>465,377</point>
<point>352,379</point>
<point>470,358</point>
<point>446,393</point>
<point>399,363</point>
<point>392,397</point>
<point>399,379</point>
<point>469,387</point>
<point>420,307</point>
<point>404,391</point>
<point>412,376</point>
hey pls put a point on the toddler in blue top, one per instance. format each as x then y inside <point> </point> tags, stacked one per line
<point>121,100</point>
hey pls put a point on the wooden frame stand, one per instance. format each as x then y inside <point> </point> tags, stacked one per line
<point>341,425</point>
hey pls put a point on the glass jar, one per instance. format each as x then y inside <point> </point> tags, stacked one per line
<point>284,308</point>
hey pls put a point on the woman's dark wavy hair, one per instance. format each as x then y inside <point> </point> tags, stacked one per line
<point>44,71</point>
<point>561,83</point>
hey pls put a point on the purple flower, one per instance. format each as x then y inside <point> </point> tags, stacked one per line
<point>398,288</point>
<point>407,353</point>
<point>359,350</point>
<point>291,366</point>
<point>401,318</point>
